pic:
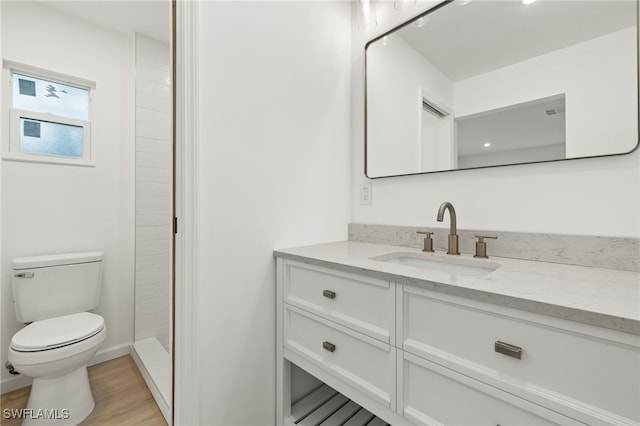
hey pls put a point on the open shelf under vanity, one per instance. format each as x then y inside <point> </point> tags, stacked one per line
<point>327,407</point>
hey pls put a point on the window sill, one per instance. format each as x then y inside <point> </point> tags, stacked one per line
<point>47,159</point>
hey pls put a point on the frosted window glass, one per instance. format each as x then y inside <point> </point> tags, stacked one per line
<point>45,138</point>
<point>34,94</point>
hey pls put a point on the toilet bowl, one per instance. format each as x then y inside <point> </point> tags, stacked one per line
<point>55,353</point>
<point>52,294</point>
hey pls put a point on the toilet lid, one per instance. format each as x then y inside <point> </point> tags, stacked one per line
<point>56,332</point>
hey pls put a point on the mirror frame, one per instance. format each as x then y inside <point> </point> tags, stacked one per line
<point>435,8</point>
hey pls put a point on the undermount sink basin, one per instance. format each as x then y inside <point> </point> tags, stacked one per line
<point>451,265</point>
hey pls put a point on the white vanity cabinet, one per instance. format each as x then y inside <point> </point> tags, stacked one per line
<point>411,355</point>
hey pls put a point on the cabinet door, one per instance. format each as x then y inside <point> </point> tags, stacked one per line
<point>361,303</point>
<point>362,362</point>
<point>434,395</point>
<point>552,363</point>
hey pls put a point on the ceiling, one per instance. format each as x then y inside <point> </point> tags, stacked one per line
<point>486,35</point>
<point>516,127</point>
<point>149,17</point>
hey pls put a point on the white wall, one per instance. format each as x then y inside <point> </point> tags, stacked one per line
<point>398,78</point>
<point>3,293</point>
<point>154,192</point>
<point>591,197</point>
<point>274,159</point>
<point>600,118</point>
<point>56,208</point>
<point>3,333</point>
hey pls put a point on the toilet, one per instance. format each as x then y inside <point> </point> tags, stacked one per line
<point>53,294</point>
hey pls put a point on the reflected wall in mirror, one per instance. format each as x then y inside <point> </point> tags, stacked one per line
<point>494,83</point>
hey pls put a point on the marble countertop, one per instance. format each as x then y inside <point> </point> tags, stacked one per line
<point>602,297</point>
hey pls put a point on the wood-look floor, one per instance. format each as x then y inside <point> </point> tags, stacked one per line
<point>121,395</point>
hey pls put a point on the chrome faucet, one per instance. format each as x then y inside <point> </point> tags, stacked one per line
<point>453,231</point>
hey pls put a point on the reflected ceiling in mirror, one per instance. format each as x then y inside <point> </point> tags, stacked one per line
<point>495,83</point>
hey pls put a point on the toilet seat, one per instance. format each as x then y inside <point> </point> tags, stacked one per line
<point>55,333</point>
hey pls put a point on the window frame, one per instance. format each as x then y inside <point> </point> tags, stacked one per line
<point>11,148</point>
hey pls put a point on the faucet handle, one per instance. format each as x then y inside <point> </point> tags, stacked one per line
<point>481,246</point>
<point>428,242</point>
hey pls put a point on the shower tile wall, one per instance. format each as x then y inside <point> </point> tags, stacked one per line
<point>153,190</point>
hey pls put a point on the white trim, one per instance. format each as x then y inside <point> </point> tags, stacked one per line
<point>186,368</point>
<point>283,366</point>
<point>41,73</point>
<point>16,382</point>
<point>108,354</point>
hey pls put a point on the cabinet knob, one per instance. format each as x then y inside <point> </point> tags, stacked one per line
<point>328,293</point>
<point>508,350</point>
<point>329,346</point>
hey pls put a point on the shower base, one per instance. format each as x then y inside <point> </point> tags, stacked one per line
<point>154,363</point>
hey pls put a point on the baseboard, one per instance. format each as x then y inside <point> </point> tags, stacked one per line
<point>110,353</point>
<point>154,363</point>
<point>15,382</point>
<point>107,354</point>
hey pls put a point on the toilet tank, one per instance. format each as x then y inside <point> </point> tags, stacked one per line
<point>55,285</point>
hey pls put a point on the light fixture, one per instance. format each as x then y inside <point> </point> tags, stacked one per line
<point>386,40</point>
<point>462,2</point>
<point>525,2</point>
<point>402,5</point>
<point>487,144</point>
<point>421,22</point>
<point>368,19</point>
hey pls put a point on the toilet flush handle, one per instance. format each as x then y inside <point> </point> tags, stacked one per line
<point>24,275</point>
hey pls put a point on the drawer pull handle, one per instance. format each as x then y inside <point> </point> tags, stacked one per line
<point>24,275</point>
<point>328,293</point>
<point>329,346</point>
<point>509,350</point>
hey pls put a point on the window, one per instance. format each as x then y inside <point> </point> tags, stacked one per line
<point>49,119</point>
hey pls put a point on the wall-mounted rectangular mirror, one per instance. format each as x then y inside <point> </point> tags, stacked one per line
<point>486,83</point>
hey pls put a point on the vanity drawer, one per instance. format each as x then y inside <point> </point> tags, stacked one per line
<point>361,361</point>
<point>561,368</point>
<point>435,395</point>
<point>360,303</point>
